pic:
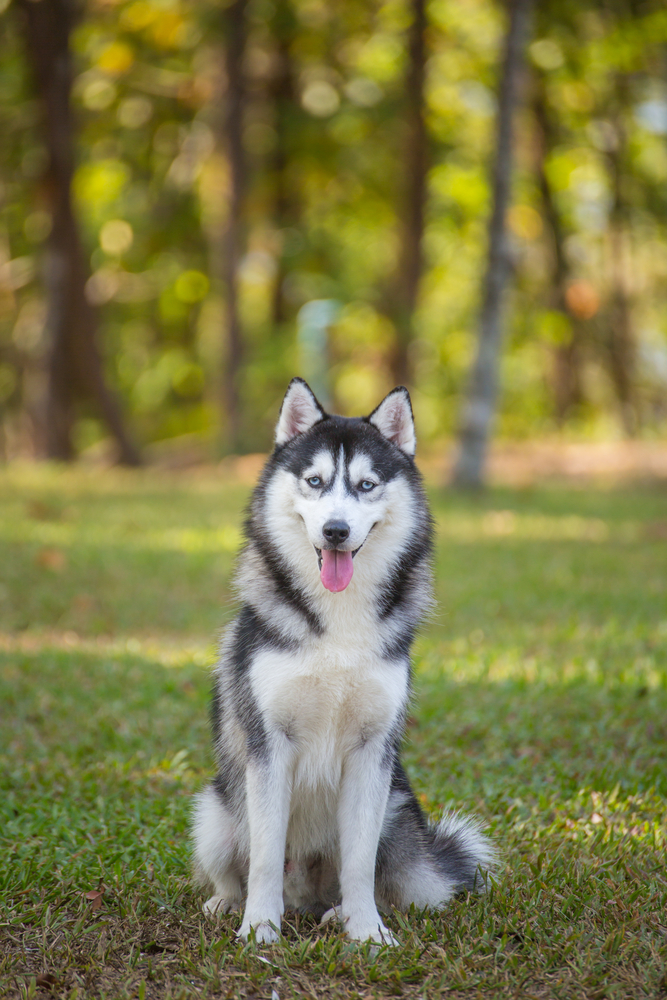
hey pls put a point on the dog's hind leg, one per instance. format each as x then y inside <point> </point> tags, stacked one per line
<point>445,860</point>
<point>217,852</point>
<point>425,864</point>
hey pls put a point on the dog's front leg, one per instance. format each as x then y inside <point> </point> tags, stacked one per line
<point>268,800</point>
<point>362,805</point>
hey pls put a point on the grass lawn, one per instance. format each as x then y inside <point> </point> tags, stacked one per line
<point>540,705</point>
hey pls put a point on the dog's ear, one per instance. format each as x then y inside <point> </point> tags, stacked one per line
<point>299,412</point>
<point>393,418</point>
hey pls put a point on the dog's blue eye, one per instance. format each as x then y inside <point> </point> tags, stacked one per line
<point>366,486</point>
<point>314,481</point>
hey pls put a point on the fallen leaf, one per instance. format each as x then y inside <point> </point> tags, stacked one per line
<point>41,511</point>
<point>656,530</point>
<point>53,559</point>
<point>83,603</point>
<point>46,980</point>
<point>95,897</point>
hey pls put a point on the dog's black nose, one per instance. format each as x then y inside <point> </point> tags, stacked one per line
<point>336,532</point>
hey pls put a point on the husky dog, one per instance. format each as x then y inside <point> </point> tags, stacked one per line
<point>311,808</point>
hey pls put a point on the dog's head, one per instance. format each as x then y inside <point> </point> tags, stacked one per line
<point>339,478</point>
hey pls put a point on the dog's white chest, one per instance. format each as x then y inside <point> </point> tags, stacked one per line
<point>318,709</point>
<point>327,705</point>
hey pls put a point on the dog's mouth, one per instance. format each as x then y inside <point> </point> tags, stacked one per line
<point>336,567</point>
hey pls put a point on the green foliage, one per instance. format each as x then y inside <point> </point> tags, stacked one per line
<point>152,182</point>
<point>541,698</point>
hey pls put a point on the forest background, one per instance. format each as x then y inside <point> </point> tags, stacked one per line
<point>199,200</point>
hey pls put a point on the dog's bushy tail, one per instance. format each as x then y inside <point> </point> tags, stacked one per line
<point>462,852</point>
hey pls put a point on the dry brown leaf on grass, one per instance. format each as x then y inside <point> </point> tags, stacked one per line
<point>46,980</point>
<point>656,530</point>
<point>95,897</point>
<point>50,558</point>
<point>83,603</point>
<point>38,510</point>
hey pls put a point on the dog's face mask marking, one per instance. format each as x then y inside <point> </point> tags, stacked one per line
<point>340,502</point>
<point>341,473</point>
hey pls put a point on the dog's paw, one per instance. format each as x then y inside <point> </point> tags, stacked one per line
<point>362,930</point>
<point>217,905</point>
<point>265,931</point>
<point>385,936</point>
<point>333,914</point>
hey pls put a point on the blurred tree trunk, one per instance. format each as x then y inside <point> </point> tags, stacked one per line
<point>233,238</point>
<point>480,404</point>
<point>567,355</point>
<point>621,342</point>
<point>283,96</point>
<point>403,295</point>
<point>74,364</point>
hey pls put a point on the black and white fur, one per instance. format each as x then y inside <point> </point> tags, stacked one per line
<point>310,807</point>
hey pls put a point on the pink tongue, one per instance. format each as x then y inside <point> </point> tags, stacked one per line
<point>337,569</point>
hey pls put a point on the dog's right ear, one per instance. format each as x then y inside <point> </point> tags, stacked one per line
<point>299,412</point>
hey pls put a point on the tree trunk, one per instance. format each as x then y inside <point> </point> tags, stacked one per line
<point>567,356</point>
<point>480,404</point>
<point>406,286</point>
<point>621,343</point>
<point>283,96</point>
<point>74,364</point>
<point>236,37</point>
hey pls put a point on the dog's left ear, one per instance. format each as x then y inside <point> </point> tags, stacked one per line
<point>299,412</point>
<point>393,418</point>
